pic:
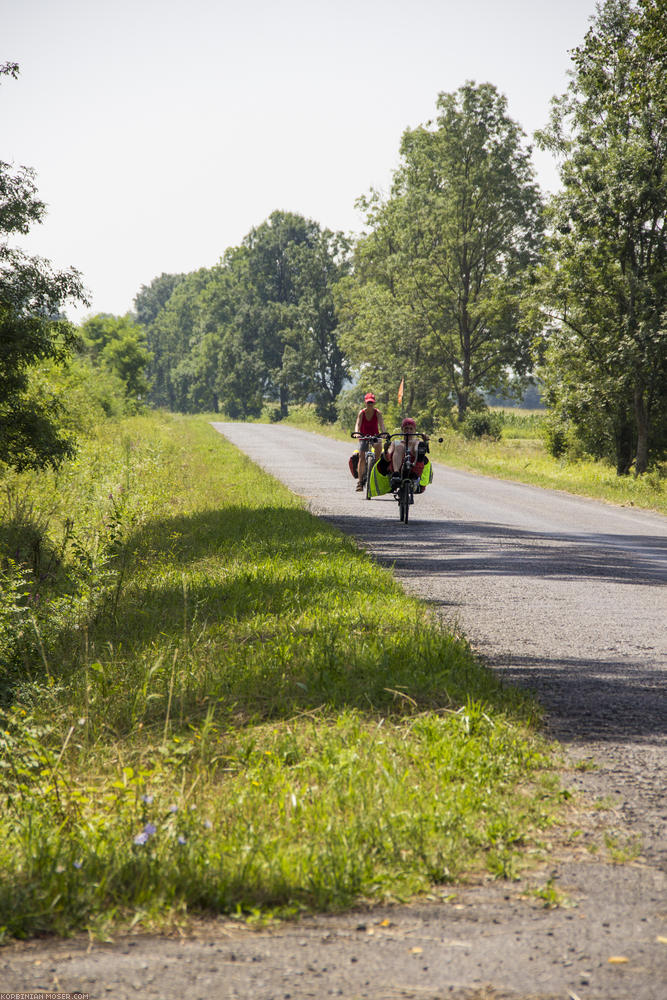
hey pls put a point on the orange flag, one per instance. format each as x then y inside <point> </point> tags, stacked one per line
<point>400,392</point>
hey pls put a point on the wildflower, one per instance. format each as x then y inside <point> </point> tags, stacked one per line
<point>59,869</point>
<point>207,824</point>
<point>182,840</point>
<point>173,808</point>
<point>147,832</point>
<point>147,799</point>
<point>78,864</point>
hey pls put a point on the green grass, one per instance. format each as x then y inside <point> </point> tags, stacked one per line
<point>213,702</point>
<point>521,456</point>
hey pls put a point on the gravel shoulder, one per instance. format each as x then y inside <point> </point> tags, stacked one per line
<point>562,595</point>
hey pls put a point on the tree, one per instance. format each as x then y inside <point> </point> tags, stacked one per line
<point>290,268</point>
<point>449,254</point>
<point>150,299</point>
<point>32,329</point>
<point>604,283</point>
<point>118,344</point>
<point>259,325</point>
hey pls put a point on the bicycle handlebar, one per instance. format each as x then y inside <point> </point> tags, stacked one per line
<point>403,434</point>
<point>368,437</point>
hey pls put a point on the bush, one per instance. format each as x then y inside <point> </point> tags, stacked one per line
<point>483,424</point>
<point>555,438</point>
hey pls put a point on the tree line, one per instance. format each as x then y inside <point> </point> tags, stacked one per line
<point>466,281</point>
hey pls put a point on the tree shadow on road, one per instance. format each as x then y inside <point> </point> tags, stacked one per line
<point>481,549</point>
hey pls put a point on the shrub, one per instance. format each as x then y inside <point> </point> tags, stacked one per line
<point>483,424</point>
<point>555,438</point>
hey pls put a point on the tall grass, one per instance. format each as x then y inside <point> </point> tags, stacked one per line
<point>213,702</point>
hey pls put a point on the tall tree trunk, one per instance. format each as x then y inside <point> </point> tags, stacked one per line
<point>641,422</point>
<point>624,440</point>
<point>462,402</point>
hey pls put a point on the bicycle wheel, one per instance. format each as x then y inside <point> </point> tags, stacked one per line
<point>370,462</point>
<point>404,500</point>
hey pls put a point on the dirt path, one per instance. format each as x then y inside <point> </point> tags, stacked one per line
<point>564,595</point>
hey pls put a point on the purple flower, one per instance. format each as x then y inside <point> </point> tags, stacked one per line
<point>173,809</point>
<point>147,832</point>
<point>182,840</point>
<point>78,864</point>
<point>207,824</point>
<point>148,799</point>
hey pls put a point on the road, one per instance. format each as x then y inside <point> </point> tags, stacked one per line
<point>563,595</point>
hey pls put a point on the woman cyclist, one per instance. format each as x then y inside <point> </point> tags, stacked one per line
<point>369,423</point>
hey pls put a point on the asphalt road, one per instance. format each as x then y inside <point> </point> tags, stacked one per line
<point>564,595</point>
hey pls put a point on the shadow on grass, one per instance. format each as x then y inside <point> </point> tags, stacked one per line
<point>302,625</point>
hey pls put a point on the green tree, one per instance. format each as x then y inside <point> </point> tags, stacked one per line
<point>259,325</point>
<point>32,329</point>
<point>442,271</point>
<point>118,344</point>
<point>604,286</point>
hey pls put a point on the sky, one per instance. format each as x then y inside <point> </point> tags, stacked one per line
<point>163,131</point>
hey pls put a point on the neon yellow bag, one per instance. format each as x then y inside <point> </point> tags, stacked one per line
<point>378,484</point>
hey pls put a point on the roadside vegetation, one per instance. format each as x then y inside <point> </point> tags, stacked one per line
<point>521,453</point>
<point>212,702</point>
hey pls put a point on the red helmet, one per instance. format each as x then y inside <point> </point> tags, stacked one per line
<point>408,424</point>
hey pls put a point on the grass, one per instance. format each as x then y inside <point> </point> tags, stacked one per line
<point>212,702</point>
<point>520,455</point>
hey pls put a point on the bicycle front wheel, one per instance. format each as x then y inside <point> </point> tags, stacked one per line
<point>404,501</point>
<point>370,462</point>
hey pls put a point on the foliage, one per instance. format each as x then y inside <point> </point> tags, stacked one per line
<point>31,328</point>
<point>151,299</point>
<point>259,326</point>
<point>483,423</point>
<point>203,715</point>
<point>604,281</point>
<point>118,344</point>
<point>440,275</point>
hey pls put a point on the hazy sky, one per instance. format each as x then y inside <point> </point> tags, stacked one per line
<point>162,131</point>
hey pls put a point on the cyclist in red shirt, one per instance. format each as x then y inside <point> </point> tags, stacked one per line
<point>371,422</point>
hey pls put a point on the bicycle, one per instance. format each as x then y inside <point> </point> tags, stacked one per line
<point>367,443</point>
<point>408,482</point>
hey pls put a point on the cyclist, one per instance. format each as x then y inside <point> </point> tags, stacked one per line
<point>369,422</point>
<point>396,452</point>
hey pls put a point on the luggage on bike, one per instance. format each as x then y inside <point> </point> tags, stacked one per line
<point>353,463</point>
<point>379,482</point>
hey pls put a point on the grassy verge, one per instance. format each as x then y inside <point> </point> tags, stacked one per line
<point>214,703</point>
<point>520,455</point>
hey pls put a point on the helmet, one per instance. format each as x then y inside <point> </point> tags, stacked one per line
<point>369,398</point>
<point>408,424</point>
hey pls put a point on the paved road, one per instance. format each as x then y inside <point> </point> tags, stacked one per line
<point>567,594</point>
<point>564,595</point>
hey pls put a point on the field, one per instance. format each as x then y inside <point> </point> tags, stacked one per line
<point>203,710</point>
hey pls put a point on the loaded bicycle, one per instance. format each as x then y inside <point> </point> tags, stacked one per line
<point>409,450</point>
<point>365,456</point>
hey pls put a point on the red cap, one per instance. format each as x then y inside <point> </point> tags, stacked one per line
<point>369,398</point>
<point>408,422</point>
